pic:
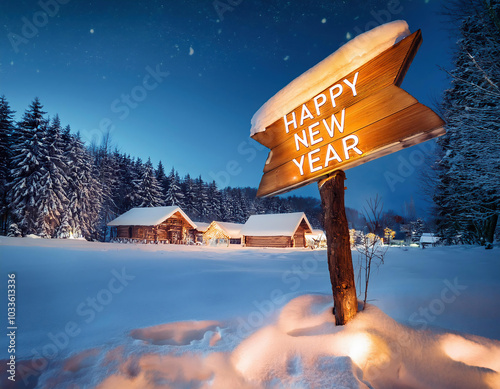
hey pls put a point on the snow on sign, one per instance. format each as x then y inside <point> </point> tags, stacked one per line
<point>314,127</point>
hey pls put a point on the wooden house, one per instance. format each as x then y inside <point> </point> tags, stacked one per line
<point>428,238</point>
<point>201,228</point>
<point>316,239</point>
<point>154,224</point>
<point>223,233</point>
<point>276,230</point>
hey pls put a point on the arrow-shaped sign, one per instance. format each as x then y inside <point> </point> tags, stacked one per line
<point>361,117</point>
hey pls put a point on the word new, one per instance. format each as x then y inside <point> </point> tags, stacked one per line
<point>316,132</point>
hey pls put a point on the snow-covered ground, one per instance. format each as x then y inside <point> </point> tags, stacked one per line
<point>136,316</point>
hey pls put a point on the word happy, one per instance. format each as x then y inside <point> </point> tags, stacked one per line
<point>312,134</point>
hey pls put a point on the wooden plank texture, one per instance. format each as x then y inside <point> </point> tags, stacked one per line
<point>386,102</point>
<point>268,241</point>
<point>378,139</point>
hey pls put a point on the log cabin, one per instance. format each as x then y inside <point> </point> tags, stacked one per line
<point>276,230</point>
<point>154,224</point>
<point>223,233</point>
<point>201,228</point>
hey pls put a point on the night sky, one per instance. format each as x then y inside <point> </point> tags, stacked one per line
<point>179,81</point>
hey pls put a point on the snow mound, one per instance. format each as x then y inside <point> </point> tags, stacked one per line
<point>302,348</point>
<point>182,333</point>
<point>347,58</point>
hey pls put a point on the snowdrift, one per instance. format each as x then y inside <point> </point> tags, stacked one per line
<point>300,348</point>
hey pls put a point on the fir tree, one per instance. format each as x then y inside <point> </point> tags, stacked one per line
<point>6,133</point>
<point>202,202</point>
<point>83,191</point>
<point>52,199</point>
<point>215,202</point>
<point>105,173</point>
<point>161,177</point>
<point>174,193</point>
<point>126,177</point>
<point>468,191</point>
<point>28,156</point>
<point>189,194</point>
<point>149,191</point>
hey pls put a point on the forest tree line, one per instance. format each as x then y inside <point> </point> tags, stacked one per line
<point>53,185</point>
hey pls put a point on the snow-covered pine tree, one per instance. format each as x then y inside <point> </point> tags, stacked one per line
<point>7,129</point>
<point>52,200</point>
<point>202,202</point>
<point>83,191</point>
<point>189,194</point>
<point>28,156</point>
<point>215,202</point>
<point>227,205</point>
<point>126,176</point>
<point>105,172</point>
<point>161,177</point>
<point>240,206</point>
<point>468,192</point>
<point>137,172</point>
<point>149,191</point>
<point>174,193</point>
<point>417,229</point>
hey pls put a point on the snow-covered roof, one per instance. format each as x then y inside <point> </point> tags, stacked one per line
<point>233,230</point>
<point>280,224</point>
<point>201,226</point>
<point>346,59</point>
<point>428,237</point>
<point>151,216</point>
<point>316,232</point>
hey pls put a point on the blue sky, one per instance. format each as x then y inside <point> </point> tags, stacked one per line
<point>178,81</point>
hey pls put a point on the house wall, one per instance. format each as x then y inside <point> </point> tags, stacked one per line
<point>174,230</point>
<point>299,238</point>
<point>214,232</point>
<point>123,232</point>
<point>267,241</point>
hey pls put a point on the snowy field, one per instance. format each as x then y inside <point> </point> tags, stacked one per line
<point>134,316</point>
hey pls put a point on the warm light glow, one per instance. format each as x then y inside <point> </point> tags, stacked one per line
<point>471,353</point>
<point>359,348</point>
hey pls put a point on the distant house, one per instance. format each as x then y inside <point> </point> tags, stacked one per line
<point>428,238</point>
<point>201,228</point>
<point>276,230</point>
<point>222,232</point>
<point>154,224</point>
<point>316,239</point>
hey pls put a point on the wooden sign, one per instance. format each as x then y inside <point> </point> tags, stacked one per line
<point>361,117</point>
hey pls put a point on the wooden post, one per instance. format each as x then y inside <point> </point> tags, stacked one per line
<point>339,249</point>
